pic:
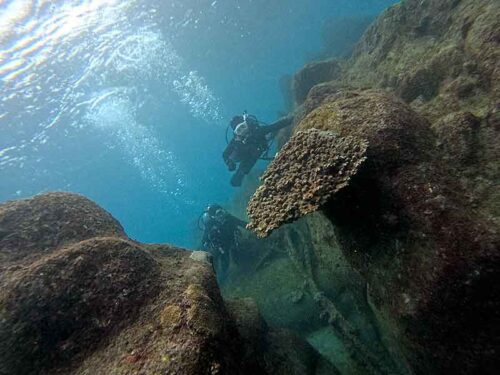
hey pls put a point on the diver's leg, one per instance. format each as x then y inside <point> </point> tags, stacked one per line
<point>237,178</point>
<point>244,168</point>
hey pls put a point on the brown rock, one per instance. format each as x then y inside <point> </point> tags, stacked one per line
<point>308,171</point>
<point>311,75</point>
<point>85,299</point>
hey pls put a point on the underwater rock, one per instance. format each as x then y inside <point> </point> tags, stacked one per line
<point>312,74</point>
<point>279,350</point>
<point>417,264</point>
<point>458,137</point>
<point>419,222</point>
<point>443,51</point>
<point>202,256</point>
<point>396,134</point>
<point>331,144</point>
<point>308,171</point>
<point>83,298</point>
<point>52,309</point>
<point>32,228</point>
<point>78,297</point>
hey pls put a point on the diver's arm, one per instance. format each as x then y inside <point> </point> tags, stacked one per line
<point>278,125</point>
<point>205,243</point>
<point>237,222</point>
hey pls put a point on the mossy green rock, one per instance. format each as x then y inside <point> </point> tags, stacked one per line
<point>312,74</point>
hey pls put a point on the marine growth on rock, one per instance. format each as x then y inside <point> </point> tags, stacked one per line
<point>310,169</point>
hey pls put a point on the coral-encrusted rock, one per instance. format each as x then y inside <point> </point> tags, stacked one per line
<point>395,134</point>
<point>311,75</point>
<point>315,165</point>
<point>308,171</point>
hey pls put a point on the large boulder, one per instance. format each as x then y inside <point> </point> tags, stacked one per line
<point>312,167</point>
<point>35,227</point>
<point>330,146</point>
<point>79,297</point>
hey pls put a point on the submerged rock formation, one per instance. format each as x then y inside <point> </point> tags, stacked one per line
<point>309,170</point>
<point>419,221</point>
<point>281,351</point>
<point>443,54</point>
<point>78,297</point>
<point>312,74</point>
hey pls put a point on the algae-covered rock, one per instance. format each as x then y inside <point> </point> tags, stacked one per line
<point>79,297</point>
<point>458,138</point>
<point>417,48</point>
<point>278,350</point>
<point>394,132</point>
<point>35,227</point>
<point>60,305</point>
<point>311,75</point>
<point>309,170</point>
<point>419,221</point>
<point>331,144</point>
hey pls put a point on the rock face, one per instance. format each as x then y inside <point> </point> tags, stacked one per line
<point>332,143</point>
<point>311,75</point>
<point>419,221</point>
<point>445,53</point>
<point>309,170</point>
<point>78,297</point>
<point>281,351</point>
<point>395,133</point>
<point>34,228</point>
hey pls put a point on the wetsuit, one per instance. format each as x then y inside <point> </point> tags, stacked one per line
<point>247,152</point>
<point>220,239</point>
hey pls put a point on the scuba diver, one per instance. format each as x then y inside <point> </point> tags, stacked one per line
<point>250,143</point>
<point>220,236</point>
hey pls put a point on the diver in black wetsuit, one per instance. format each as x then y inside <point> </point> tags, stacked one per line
<point>249,144</point>
<point>220,236</point>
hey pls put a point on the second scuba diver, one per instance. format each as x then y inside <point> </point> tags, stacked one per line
<point>249,144</point>
<point>220,236</point>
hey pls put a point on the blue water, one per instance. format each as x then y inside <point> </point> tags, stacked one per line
<point>127,101</point>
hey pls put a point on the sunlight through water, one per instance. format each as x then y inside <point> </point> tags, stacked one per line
<point>80,64</point>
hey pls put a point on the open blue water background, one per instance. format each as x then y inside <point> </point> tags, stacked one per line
<point>127,101</point>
